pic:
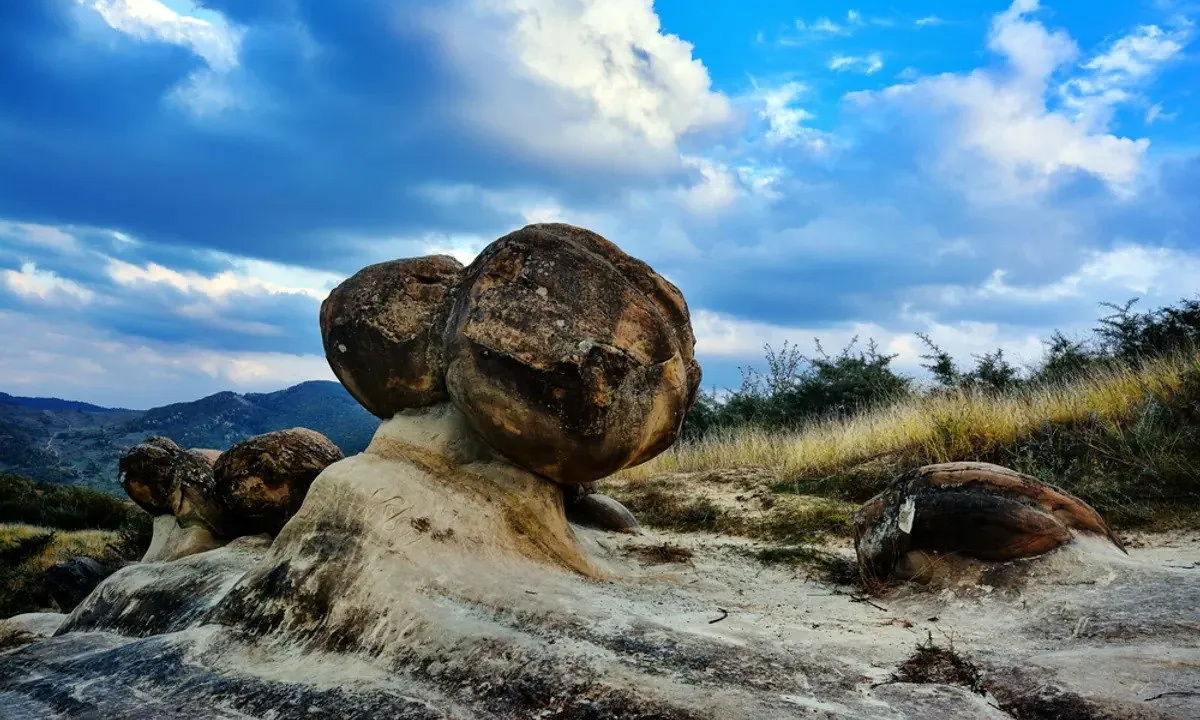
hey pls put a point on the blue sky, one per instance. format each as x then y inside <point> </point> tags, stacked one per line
<point>181,183</point>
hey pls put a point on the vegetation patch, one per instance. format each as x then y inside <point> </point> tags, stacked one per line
<point>826,566</point>
<point>662,554</point>
<point>934,664</point>
<point>41,525</point>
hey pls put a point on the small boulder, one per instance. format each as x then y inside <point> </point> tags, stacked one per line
<point>979,510</point>
<point>382,327</point>
<point>70,581</point>
<point>602,512</point>
<point>154,471</point>
<point>568,356</point>
<point>261,482</point>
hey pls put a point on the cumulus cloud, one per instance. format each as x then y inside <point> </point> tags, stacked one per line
<point>1003,116</point>
<point>616,87</point>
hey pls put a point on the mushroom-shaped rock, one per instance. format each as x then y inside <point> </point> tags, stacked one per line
<point>568,356</point>
<point>262,481</point>
<point>154,471</point>
<point>979,510</point>
<point>601,511</point>
<point>382,332</point>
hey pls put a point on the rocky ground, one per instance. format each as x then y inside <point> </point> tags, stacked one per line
<point>695,627</point>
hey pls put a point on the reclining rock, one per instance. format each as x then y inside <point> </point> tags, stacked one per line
<point>977,510</point>
<point>382,331</point>
<point>261,481</point>
<point>571,358</point>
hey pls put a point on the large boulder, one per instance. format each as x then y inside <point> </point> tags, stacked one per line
<point>978,510</point>
<point>568,356</point>
<point>382,332</point>
<point>262,481</point>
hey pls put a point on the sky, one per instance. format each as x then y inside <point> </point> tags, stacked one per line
<point>182,183</point>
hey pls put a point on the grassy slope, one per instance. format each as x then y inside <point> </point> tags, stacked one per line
<point>1127,440</point>
<point>28,550</point>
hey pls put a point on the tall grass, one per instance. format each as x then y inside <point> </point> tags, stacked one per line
<point>1121,434</point>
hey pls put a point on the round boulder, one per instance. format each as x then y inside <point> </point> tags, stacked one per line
<point>381,330</point>
<point>262,481</point>
<point>154,471</point>
<point>979,510</point>
<point>568,356</point>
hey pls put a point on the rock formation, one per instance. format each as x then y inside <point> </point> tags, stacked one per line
<point>261,481</point>
<point>979,510</point>
<point>569,357</point>
<point>435,575</point>
<point>382,330</point>
<point>200,502</point>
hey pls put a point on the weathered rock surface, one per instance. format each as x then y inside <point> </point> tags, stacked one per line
<point>568,356</point>
<point>979,510</point>
<point>154,471</point>
<point>382,331</point>
<point>430,578</point>
<point>262,481</point>
<point>601,511</point>
<point>208,454</point>
<point>70,581</point>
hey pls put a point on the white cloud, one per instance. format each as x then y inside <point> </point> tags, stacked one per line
<point>928,20</point>
<point>719,335</point>
<point>1115,75</point>
<point>204,92</point>
<point>46,236</point>
<point>216,42</point>
<point>45,285</point>
<point>868,64</point>
<point>785,120</point>
<point>592,82</point>
<point>223,285</point>
<point>1164,274</point>
<point>1002,117</point>
<point>64,359</point>
<point>715,190</point>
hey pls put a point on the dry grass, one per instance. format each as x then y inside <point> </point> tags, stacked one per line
<point>933,428</point>
<point>1126,440</point>
<point>27,551</point>
<point>66,544</point>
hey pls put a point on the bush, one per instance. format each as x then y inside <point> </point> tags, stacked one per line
<point>62,506</point>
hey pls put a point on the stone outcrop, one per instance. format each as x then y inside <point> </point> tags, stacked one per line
<point>569,357</point>
<point>382,331</point>
<point>202,499</point>
<point>261,481</point>
<point>70,581</point>
<point>978,510</point>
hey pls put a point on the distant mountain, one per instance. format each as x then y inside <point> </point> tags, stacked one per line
<point>76,443</point>
<point>42,403</point>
